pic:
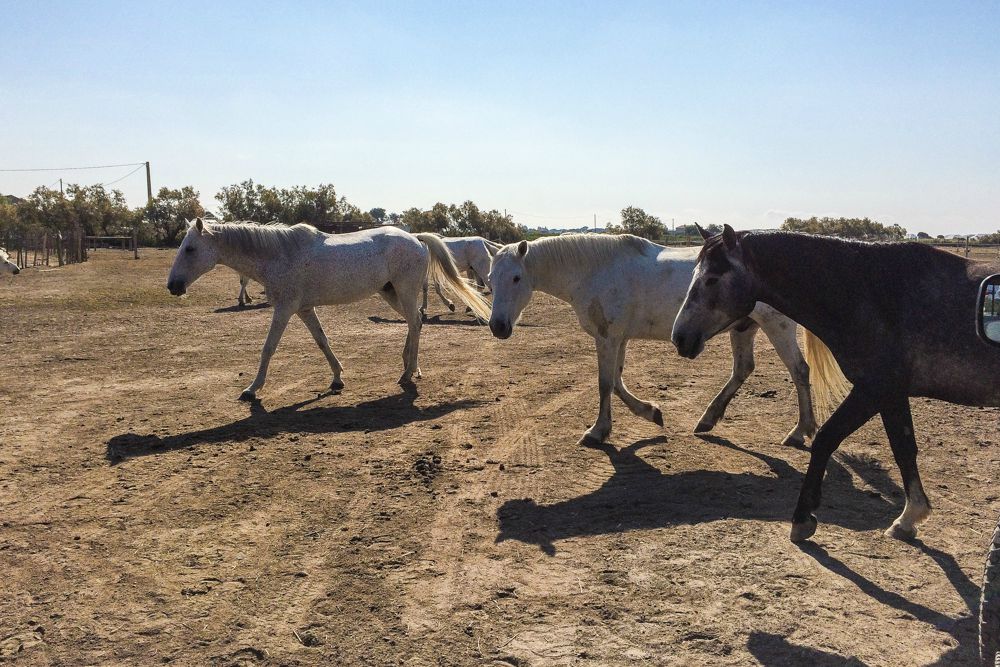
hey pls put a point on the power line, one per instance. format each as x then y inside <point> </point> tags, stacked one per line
<point>141,165</point>
<point>100,166</point>
<point>552,217</point>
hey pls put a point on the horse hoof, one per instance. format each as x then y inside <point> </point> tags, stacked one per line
<point>248,395</point>
<point>451,307</point>
<point>658,417</point>
<point>796,441</point>
<point>589,441</point>
<point>703,427</point>
<point>336,385</point>
<point>897,531</point>
<point>468,310</point>
<point>803,531</point>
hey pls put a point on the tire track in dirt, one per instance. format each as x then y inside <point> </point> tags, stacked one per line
<point>458,573</point>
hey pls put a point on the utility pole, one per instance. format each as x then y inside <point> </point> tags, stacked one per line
<point>149,202</point>
<point>60,186</point>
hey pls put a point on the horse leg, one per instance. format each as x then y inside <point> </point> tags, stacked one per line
<point>898,422</point>
<point>640,408</point>
<point>423,308</point>
<point>244,295</point>
<point>411,311</point>
<point>309,318</point>
<point>279,320</point>
<point>743,365</point>
<point>444,299</point>
<point>607,357</point>
<point>851,415</point>
<point>782,336</point>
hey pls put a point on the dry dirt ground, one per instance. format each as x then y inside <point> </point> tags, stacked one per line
<point>148,517</point>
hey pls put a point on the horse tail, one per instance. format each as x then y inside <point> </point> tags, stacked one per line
<point>829,385</point>
<point>442,269</point>
<point>491,247</point>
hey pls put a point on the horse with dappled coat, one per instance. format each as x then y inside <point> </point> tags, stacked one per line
<point>856,302</point>
<point>300,267</point>
<point>625,287</point>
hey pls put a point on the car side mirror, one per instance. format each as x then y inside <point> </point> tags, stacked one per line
<point>988,310</point>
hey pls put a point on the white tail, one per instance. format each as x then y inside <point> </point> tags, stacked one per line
<point>442,269</point>
<point>829,385</point>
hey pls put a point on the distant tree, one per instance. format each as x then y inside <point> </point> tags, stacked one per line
<point>8,217</point>
<point>378,215</point>
<point>990,238</point>
<point>637,221</point>
<point>851,228</point>
<point>169,212</point>
<point>923,235</point>
<point>249,201</point>
<point>100,212</point>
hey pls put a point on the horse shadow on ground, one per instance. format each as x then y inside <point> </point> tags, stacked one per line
<point>640,496</point>
<point>963,628</point>
<point>376,415</point>
<point>771,649</point>
<point>240,309</point>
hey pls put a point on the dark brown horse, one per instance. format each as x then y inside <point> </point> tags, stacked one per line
<point>895,316</point>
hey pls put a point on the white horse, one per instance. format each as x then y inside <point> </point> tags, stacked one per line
<point>473,255</point>
<point>7,266</point>
<point>624,287</point>
<point>301,268</point>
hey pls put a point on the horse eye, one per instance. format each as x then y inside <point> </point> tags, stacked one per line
<point>711,281</point>
<point>517,278</point>
<point>190,248</point>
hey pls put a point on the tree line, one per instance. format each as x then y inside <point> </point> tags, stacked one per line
<point>97,211</point>
<point>863,229</point>
<point>636,221</point>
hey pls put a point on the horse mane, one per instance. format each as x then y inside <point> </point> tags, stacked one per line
<point>584,249</point>
<point>910,253</point>
<point>272,237</point>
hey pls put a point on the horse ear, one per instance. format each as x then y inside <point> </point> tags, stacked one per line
<point>704,235</point>
<point>522,248</point>
<point>729,237</point>
<point>199,224</point>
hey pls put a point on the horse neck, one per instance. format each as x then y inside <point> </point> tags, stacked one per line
<point>556,278</point>
<point>806,279</point>
<point>247,264</point>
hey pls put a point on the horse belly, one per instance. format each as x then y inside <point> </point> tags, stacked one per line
<point>960,381</point>
<point>342,284</point>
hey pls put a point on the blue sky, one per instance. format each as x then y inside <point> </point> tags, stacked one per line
<point>717,112</point>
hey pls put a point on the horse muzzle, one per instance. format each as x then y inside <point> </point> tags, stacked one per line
<point>688,346</point>
<point>176,287</point>
<point>501,329</point>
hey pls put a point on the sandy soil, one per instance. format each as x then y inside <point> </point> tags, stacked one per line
<point>148,517</point>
